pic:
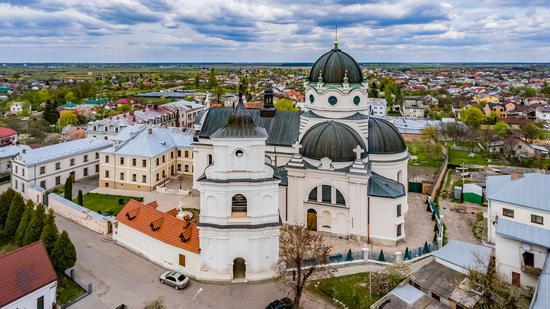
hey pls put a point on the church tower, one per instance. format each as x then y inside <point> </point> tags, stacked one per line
<point>239,219</point>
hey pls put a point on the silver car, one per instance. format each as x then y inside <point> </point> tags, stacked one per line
<point>175,279</point>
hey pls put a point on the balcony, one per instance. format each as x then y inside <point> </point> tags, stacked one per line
<point>531,270</point>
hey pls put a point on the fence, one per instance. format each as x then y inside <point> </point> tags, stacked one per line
<point>438,218</point>
<point>74,212</point>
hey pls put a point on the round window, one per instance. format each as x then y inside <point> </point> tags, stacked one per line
<point>311,98</point>
<point>239,153</point>
<point>356,100</point>
<point>332,100</point>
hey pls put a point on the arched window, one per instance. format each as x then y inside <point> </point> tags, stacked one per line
<point>329,195</point>
<point>238,204</point>
<point>400,176</point>
<point>210,159</point>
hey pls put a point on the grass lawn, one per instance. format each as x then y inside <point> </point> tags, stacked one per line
<point>104,203</point>
<point>423,158</point>
<point>458,157</point>
<point>6,243</point>
<point>351,290</point>
<point>67,290</point>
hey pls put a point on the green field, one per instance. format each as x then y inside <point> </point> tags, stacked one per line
<point>351,290</point>
<point>458,157</point>
<point>106,204</point>
<point>426,153</point>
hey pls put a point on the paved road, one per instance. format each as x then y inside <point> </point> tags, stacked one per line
<point>120,276</point>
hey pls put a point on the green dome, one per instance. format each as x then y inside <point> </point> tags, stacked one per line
<point>384,138</point>
<point>333,140</point>
<point>333,66</point>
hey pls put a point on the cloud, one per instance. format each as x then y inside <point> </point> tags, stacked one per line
<point>268,30</point>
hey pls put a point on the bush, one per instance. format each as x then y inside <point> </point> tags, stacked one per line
<point>121,201</point>
<point>64,253</point>
<point>387,279</point>
<point>477,228</point>
<point>68,189</point>
<point>110,212</point>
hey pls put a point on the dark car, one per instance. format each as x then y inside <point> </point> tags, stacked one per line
<point>175,279</point>
<point>283,303</point>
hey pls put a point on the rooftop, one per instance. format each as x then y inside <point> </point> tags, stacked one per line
<point>5,132</point>
<point>530,190</point>
<point>465,255</point>
<point>61,150</point>
<point>523,232</point>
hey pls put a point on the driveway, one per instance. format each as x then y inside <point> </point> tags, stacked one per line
<point>119,277</point>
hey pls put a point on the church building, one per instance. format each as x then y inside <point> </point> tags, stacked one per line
<point>342,171</point>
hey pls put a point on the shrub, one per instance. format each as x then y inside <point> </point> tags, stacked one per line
<point>63,254</point>
<point>121,201</point>
<point>17,207</point>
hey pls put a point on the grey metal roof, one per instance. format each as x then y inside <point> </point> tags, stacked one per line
<point>438,278</point>
<point>465,255</point>
<point>12,150</point>
<point>334,65</point>
<point>62,150</point>
<point>408,293</point>
<point>333,140</point>
<point>240,124</point>
<point>523,232</point>
<point>283,129</point>
<point>384,138</point>
<point>541,299</point>
<point>380,186</point>
<point>531,190</point>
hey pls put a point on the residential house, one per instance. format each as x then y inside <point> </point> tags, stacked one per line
<point>413,109</point>
<point>7,153</point>
<point>27,278</point>
<point>378,107</point>
<point>499,109</point>
<point>186,112</point>
<point>144,157</point>
<point>7,137</point>
<point>17,108</point>
<point>513,146</point>
<point>50,166</point>
<point>543,113</point>
<point>519,225</point>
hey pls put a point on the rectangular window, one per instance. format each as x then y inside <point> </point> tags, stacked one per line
<point>187,154</point>
<point>43,184</point>
<point>158,161</point>
<point>179,167</point>
<point>144,179</point>
<point>121,161</point>
<point>42,170</point>
<point>57,166</point>
<point>57,180</point>
<point>186,168</point>
<point>40,302</point>
<point>171,155</point>
<point>121,176</point>
<point>163,158</point>
<point>179,153</point>
<point>537,219</point>
<point>158,178</point>
<point>23,187</point>
<point>97,155</point>
<point>85,171</point>
<point>72,162</point>
<point>97,168</point>
<point>134,177</point>
<point>16,169</point>
<point>399,210</point>
<point>163,174</point>
<point>143,163</point>
<point>134,162</point>
<point>106,159</point>
<point>22,172</point>
<point>326,194</point>
<point>399,227</point>
<point>85,158</point>
<point>106,174</point>
<point>507,212</point>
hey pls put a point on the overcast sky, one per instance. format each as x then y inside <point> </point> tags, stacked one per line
<point>281,30</point>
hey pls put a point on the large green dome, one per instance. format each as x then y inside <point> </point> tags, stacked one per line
<point>334,65</point>
<point>333,140</point>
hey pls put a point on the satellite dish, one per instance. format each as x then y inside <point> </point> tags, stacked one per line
<point>526,247</point>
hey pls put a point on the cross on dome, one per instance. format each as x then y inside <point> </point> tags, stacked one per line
<point>296,147</point>
<point>358,152</point>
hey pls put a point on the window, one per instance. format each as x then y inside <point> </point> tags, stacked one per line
<point>106,159</point>
<point>16,169</point>
<point>186,168</point>
<point>40,302</point>
<point>171,155</point>
<point>158,178</point>
<point>106,174</point>
<point>134,162</point>
<point>121,161</point>
<point>85,158</point>
<point>43,184</point>
<point>144,179</point>
<point>57,166</point>
<point>400,176</point>
<point>97,155</point>
<point>187,154</point>
<point>121,176</point>
<point>72,162</point>
<point>238,204</point>
<point>42,170</point>
<point>143,163</point>
<point>435,296</point>
<point>57,180</point>
<point>97,168</point>
<point>22,172</point>
<point>163,158</point>
<point>399,210</point>
<point>537,219</point>
<point>340,198</point>
<point>179,153</point>
<point>326,194</point>
<point>507,212</point>
<point>528,259</point>
<point>313,195</point>
<point>23,187</point>
<point>85,171</point>
<point>163,174</point>
<point>210,160</point>
<point>399,227</point>
<point>239,153</point>
<point>134,177</point>
<point>158,161</point>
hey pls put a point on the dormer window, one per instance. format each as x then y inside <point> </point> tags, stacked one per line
<point>155,225</point>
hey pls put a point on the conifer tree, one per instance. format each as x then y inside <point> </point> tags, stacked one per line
<point>17,208</point>
<point>25,219</point>
<point>49,232</point>
<point>50,112</point>
<point>5,201</point>
<point>68,194</point>
<point>64,253</point>
<point>79,198</point>
<point>34,229</point>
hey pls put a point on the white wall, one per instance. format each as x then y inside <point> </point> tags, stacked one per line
<point>509,259</point>
<point>29,300</point>
<point>78,214</point>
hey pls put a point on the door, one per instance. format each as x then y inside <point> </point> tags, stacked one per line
<point>515,279</point>
<point>312,220</point>
<point>239,268</point>
<point>73,176</point>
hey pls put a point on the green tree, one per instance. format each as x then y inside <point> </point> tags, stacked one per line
<point>212,79</point>
<point>68,188</point>
<point>17,208</point>
<point>197,81</point>
<point>51,114</point>
<point>79,198</point>
<point>68,118</point>
<point>70,97</point>
<point>64,253</point>
<point>49,232</point>
<point>5,202</point>
<point>430,132</point>
<point>285,104</point>
<point>25,219</point>
<point>531,131</point>
<point>472,116</point>
<point>502,129</point>
<point>34,229</point>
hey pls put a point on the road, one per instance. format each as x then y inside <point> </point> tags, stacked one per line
<point>119,277</point>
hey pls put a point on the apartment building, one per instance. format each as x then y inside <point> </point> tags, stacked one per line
<point>519,225</point>
<point>186,112</point>
<point>50,166</point>
<point>378,107</point>
<point>144,157</point>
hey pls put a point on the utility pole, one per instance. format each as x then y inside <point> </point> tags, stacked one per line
<point>195,297</point>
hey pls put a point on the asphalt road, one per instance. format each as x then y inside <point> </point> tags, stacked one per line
<point>119,277</point>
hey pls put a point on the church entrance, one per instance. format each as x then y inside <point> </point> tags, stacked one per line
<point>311,219</point>
<point>239,269</point>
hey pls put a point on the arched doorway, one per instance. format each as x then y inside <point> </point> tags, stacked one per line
<point>239,268</point>
<point>311,219</point>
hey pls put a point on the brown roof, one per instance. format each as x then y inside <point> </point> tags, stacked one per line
<point>160,225</point>
<point>153,204</point>
<point>24,271</point>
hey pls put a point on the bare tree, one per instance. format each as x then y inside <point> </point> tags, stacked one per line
<point>303,257</point>
<point>157,303</point>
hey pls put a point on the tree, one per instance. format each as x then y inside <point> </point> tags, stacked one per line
<point>68,118</point>
<point>79,198</point>
<point>5,202</point>
<point>472,117</point>
<point>531,131</point>
<point>51,114</point>
<point>25,219</point>
<point>63,254</point>
<point>285,104</point>
<point>49,232</point>
<point>212,79</point>
<point>197,80</point>
<point>306,254</point>
<point>502,129</point>
<point>70,97</point>
<point>389,278</point>
<point>381,256</point>
<point>17,208</point>
<point>430,132</point>
<point>68,188</point>
<point>34,229</point>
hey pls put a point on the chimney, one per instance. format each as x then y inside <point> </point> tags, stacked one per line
<point>517,175</point>
<point>149,131</point>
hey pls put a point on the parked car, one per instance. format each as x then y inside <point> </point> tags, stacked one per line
<point>175,279</point>
<point>283,303</point>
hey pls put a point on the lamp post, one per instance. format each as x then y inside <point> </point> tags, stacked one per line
<point>195,297</point>
<point>180,178</point>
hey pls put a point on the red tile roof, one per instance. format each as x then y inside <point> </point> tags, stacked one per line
<point>23,271</point>
<point>5,132</point>
<point>160,225</point>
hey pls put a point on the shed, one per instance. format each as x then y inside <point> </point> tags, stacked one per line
<point>473,193</point>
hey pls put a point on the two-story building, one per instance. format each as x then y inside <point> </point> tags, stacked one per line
<point>499,109</point>
<point>186,112</point>
<point>413,109</point>
<point>144,157</point>
<point>542,113</point>
<point>50,166</point>
<point>378,107</point>
<point>519,225</point>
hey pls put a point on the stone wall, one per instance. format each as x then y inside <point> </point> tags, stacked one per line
<point>78,214</point>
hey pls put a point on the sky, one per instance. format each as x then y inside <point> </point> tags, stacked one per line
<point>274,31</point>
